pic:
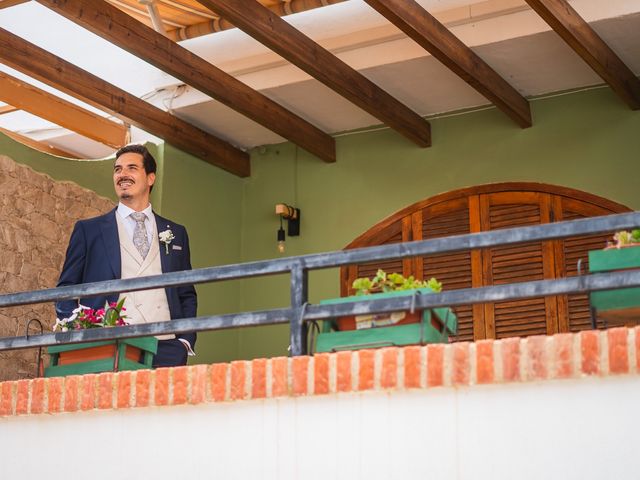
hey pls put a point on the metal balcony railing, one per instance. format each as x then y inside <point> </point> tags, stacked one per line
<point>300,313</point>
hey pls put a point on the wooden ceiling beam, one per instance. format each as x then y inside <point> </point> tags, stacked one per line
<point>62,75</point>
<point>61,112</point>
<point>7,109</point>
<point>434,37</point>
<point>133,36</point>
<point>579,35</point>
<point>11,3</point>
<point>40,146</point>
<point>291,44</point>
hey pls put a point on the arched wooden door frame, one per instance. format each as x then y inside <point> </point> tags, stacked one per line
<point>488,207</point>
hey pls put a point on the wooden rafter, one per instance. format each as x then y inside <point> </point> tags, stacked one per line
<point>579,35</point>
<point>7,109</point>
<point>434,37</point>
<point>11,3</point>
<point>275,33</point>
<point>62,75</point>
<point>40,146</point>
<point>45,105</point>
<point>131,35</point>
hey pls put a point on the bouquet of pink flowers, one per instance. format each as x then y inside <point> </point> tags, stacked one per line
<point>84,317</point>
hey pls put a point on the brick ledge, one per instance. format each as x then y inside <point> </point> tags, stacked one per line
<point>561,356</point>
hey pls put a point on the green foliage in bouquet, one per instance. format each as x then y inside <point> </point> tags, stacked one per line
<point>625,238</point>
<point>392,282</point>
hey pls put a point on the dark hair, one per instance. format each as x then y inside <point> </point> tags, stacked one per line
<point>148,162</point>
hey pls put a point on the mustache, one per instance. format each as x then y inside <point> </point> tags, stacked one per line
<point>123,179</point>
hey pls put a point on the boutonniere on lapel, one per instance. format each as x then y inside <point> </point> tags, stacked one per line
<point>166,237</point>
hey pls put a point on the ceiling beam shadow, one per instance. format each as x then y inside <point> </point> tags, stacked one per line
<point>430,34</point>
<point>583,39</point>
<point>291,44</point>
<point>62,75</point>
<point>135,37</point>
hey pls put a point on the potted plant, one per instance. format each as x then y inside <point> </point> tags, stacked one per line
<point>393,328</point>
<point>103,356</point>
<point>621,306</point>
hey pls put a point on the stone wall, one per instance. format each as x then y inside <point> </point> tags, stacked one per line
<point>37,215</point>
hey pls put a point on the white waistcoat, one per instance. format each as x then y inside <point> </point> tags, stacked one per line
<point>145,306</point>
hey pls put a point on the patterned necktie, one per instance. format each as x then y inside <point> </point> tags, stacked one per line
<point>140,239</point>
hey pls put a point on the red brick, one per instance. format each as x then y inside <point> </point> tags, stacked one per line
<point>461,365</point>
<point>590,352</point>
<point>143,388</point>
<point>563,352</point>
<point>484,361</point>
<point>389,370</point>
<point>37,395</point>
<point>412,367</point>
<point>321,373</point>
<point>22,397</point>
<point>511,359</point>
<point>238,380</point>
<point>343,373</point>
<point>536,357</point>
<point>300,371</point>
<point>366,359</point>
<point>180,380</point>
<point>198,384</point>
<point>618,353</point>
<point>637,331</point>
<point>219,381</point>
<point>259,378</point>
<point>88,392</point>
<point>123,393</point>
<point>54,392</point>
<point>435,356</point>
<point>71,386</point>
<point>105,390</point>
<point>279,376</point>
<point>6,398</point>
<point>161,387</point>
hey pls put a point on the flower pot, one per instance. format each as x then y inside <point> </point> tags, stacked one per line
<point>420,327</point>
<point>106,356</point>
<point>621,306</point>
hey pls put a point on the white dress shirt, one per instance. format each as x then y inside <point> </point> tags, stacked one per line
<point>150,225</point>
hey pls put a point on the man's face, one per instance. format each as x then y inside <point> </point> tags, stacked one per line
<point>130,180</point>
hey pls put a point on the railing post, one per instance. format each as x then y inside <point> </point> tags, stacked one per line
<point>299,293</point>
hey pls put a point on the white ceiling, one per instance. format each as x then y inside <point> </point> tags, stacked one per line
<point>505,33</point>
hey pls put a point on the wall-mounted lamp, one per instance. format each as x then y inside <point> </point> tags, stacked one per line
<point>292,216</point>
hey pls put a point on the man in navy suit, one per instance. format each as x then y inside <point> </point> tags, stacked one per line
<point>125,243</point>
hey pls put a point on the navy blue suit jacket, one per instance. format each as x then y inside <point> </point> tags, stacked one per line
<point>93,255</point>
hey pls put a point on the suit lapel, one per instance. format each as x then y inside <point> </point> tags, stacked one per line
<point>112,242</point>
<point>163,224</point>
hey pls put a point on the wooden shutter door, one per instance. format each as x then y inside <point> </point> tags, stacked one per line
<point>454,270</point>
<point>518,263</point>
<point>573,310</point>
<point>491,207</point>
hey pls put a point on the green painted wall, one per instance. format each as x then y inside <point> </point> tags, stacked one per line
<point>588,140</point>
<point>207,200</point>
